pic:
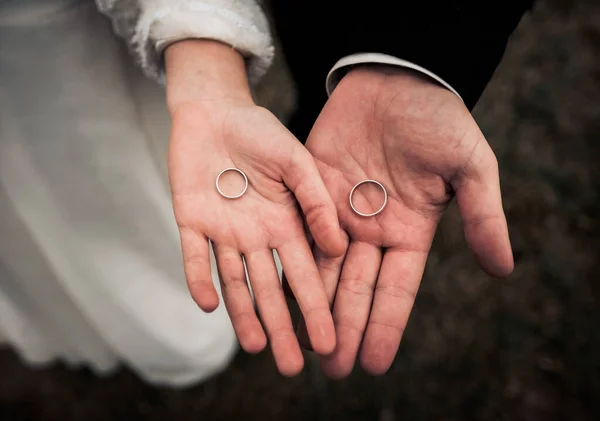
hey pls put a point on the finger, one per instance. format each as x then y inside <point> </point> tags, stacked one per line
<point>303,179</point>
<point>307,287</point>
<point>274,311</point>
<point>352,306</point>
<point>399,278</point>
<point>287,290</point>
<point>238,301</point>
<point>196,264</point>
<point>330,269</point>
<point>480,204</point>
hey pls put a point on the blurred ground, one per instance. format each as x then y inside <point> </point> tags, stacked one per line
<point>475,349</point>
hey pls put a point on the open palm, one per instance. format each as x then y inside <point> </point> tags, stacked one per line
<point>421,143</point>
<point>209,137</point>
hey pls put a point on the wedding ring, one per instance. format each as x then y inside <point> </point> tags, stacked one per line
<point>378,211</point>
<point>227,196</point>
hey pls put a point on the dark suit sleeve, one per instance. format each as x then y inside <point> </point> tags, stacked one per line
<point>460,41</point>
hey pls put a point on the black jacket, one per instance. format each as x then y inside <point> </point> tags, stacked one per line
<point>460,41</point>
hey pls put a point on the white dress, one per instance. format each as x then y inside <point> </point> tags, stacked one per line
<point>90,265</point>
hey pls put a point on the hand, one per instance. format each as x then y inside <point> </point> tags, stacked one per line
<point>216,125</point>
<point>418,139</point>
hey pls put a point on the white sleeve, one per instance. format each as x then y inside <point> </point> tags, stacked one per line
<point>149,26</point>
<point>337,72</point>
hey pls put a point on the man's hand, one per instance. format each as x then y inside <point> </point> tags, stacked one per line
<point>417,139</point>
<point>216,125</point>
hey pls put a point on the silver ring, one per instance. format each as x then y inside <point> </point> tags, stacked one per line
<point>378,211</point>
<point>231,196</point>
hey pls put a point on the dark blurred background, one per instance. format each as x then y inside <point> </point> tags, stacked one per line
<point>527,348</point>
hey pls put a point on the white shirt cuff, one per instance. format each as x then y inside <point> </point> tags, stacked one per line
<point>335,75</point>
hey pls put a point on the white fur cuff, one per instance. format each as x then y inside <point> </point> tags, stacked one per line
<point>245,30</point>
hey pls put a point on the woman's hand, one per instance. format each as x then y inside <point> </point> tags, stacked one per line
<point>216,125</point>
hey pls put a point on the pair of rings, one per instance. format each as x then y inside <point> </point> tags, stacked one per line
<point>377,183</point>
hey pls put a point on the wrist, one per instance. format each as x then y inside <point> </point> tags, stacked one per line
<point>205,72</point>
<point>384,82</point>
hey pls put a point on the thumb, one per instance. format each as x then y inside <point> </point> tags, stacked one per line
<point>302,177</point>
<point>479,200</point>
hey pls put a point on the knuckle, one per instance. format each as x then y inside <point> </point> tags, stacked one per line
<point>194,285</point>
<point>239,317</point>
<point>478,220</point>
<point>356,286</point>
<point>281,331</point>
<point>348,323</point>
<point>398,292</point>
<point>268,293</point>
<point>234,284</point>
<point>229,262</point>
<point>317,311</point>
<point>398,328</point>
<point>316,215</point>
<point>330,264</point>
<point>195,259</point>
